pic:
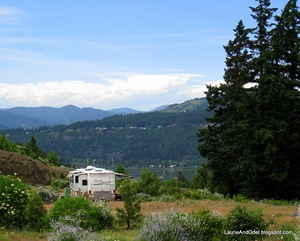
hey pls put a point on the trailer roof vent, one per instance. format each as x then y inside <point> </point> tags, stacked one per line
<point>89,168</point>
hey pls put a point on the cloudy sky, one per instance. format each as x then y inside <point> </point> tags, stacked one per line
<point>114,53</point>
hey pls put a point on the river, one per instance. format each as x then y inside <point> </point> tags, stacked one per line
<point>165,173</point>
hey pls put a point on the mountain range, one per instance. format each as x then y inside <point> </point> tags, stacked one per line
<point>33,117</point>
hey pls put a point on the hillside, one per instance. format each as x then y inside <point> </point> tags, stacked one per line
<point>27,169</point>
<point>10,120</point>
<point>32,117</point>
<point>151,138</point>
<point>198,104</point>
<point>154,138</point>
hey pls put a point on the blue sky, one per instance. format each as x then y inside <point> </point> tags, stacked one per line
<point>117,53</point>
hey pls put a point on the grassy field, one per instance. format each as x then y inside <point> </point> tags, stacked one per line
<point>279,217</point>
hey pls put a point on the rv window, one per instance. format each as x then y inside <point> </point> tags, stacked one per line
<point>84,182</point>
<point>76,179</point>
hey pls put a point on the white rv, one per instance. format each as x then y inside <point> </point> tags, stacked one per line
<point>95,182</point>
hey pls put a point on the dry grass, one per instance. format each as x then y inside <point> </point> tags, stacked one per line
<point>274,215</point>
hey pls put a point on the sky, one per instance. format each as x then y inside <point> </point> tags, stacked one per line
<point>109,54</point>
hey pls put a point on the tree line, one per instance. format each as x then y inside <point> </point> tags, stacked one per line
<point>252,142</point>
<point>156,138</point>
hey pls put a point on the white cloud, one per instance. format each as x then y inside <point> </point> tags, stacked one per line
<point>9,15</point>
<point>118,90</point>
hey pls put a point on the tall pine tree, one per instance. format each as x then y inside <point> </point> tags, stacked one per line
<point>253,141</point>
<point>222,142</point>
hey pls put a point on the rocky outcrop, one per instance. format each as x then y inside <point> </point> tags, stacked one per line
<point>27,169</point>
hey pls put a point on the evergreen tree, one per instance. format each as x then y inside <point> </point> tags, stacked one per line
<point>252,143</point>
<point>221,142</point>
<point>131,214</point>
<point>53,158</point>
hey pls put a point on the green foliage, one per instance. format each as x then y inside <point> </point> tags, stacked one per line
<point>166,198</point>
<point>201,194</point>
<point>149,183</point>
<point>182,179</point>
<point>121,169</point>
<point>35,213</point>
<point>60,183</point>
<point>14,197</point>
<point>131,214</point>
<point>276,202</point>
<point>143,197</point>
<point>171,187</point>
<point>91,216</point>
<point>297,234</point>
<point>252,140</point>
<point>240,198</point>
<point>203,177</point>
<point>131,140</point>
<point>32,149</point>
<point>242,219</point>
<point>6,145</point>
<point>53,158</point>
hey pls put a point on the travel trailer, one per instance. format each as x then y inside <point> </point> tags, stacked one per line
<point>95,183</point>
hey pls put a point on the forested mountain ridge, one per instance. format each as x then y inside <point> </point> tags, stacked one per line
<point>190,105</point>
<point>34,117</point>
<point>156,138</point>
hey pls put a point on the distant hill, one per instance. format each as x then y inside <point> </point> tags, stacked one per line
<point>141,139</point>
<point>33,117</point>
<point>125,111</point>
<point>12,120</point>
<point>199,104</point>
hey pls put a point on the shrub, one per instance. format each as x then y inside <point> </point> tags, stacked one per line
<point>170,187</point>
<point>297,234</point>
<point>166,198</point>
<point>47,195</point>
<point>240,198</point>
<point>67,229</point>
<point>176,227</point>
<point>149,183</point>
<point>92,216</point>
<point>143,197</point>
<point>242,219</point>
<point>201,194</point>
<point>60,183</point>
<point>14,196</point>
<point>35,213</point>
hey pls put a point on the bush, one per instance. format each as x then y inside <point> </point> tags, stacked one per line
<point>242,219</point>
<point>46,194</point>
<point>240,198</point>
<point>149,183</point>
<point>14,197</point>
<point>68,230</point>
<point>35,213</point>
<point>176,227</point>
<point>297,235</point>
<point>201,194</point>
<point>166,198</point>
<point>92,216</point>
<point>143,197</point>
<point>60,183</point>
